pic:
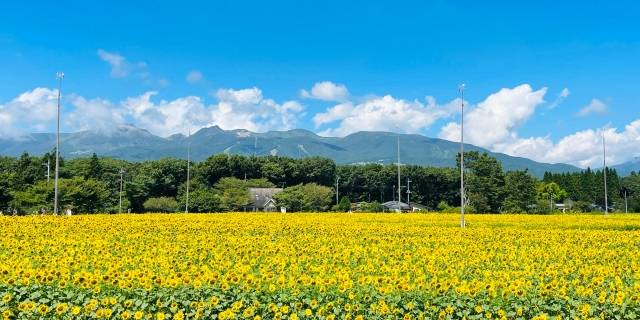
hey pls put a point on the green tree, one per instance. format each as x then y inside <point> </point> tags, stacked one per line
<point>161,204</point>
<point>204,200</point>
<point>95,168</point>
<point>344,205</point>
<point>77,194</point>
<point>485,182</point>
<point>520,192</point>
<point>550,193</point>
<point>305,197</point>
<point>233,194</point>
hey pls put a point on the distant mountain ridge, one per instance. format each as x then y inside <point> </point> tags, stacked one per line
<point>625,169</point>
<point>135,144</point>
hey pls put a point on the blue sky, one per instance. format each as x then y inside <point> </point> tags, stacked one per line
<point>128,61</point>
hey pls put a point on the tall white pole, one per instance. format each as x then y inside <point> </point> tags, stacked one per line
<point>626,208</point>
<point>604,162</point>
<point>48,170</point>
<point>399,192</point>
<point>409,191</point>
<point>120,194</point>
<point>59,76</point>
<point>337,190</point>
<point>462,222</point>
<point>186,206</point>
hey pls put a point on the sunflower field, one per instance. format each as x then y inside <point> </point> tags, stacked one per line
<point>320,266</point>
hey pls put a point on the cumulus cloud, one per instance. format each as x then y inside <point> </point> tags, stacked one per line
<point>94,114</point>
<point>28,111</point>
<point>584,148</point>
<point>495,120</point>
<point>595,106</point>
<point>165,118</point>
<point>384,114</point>
<point>35,111</point>
<point>194,76</point>
<point>327,91</point>
<point>494,124</point>
<point>248,109</point>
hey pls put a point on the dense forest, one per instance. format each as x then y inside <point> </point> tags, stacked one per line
<point>219,183</point>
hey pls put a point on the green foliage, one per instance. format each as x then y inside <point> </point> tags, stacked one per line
<point>204,200</point>
<point>305,197</point>
<point>233,194</point>
<point>520,192</point>
<point>161,204</point>
<point>343,206</point>
<point>77,194</point>
<point>374,206</point>
<point>485,182</point>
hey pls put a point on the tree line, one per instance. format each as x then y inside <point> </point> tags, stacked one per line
<point>219,183</point>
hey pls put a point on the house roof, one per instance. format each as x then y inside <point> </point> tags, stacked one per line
<point>260,197</point>
<point>395,205</point>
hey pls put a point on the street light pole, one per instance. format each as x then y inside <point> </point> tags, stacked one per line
<point>399,192</point>
<point>48,170</point>
<point>409,191</point>
<point>337,191</point>
<point>462,222</point>
<point>59,76</point>
<point>625,202</point>
<point>186,206</point>
<point>120,194</point>
<point>604,162</point>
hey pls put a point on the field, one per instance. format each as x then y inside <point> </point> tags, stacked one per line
<point>320,266</point>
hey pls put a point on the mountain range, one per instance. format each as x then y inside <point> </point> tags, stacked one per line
<point>135,144</point>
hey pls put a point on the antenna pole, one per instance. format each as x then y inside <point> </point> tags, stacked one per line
<point>59,76</point>
<point>186,206</point>
<point>462,221</point>
<point>604,161</point>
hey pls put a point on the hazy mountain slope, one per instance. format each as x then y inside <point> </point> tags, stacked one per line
<point>131,143</point>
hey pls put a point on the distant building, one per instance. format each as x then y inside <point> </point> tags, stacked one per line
<point>262,199</point>
<point>402,207</point>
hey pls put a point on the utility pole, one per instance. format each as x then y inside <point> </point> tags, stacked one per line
<point>409,191</point>
<point>462,222</point>
<point>48,170</point>
<point>399,192</point>
<point>337,191</point>
<point>186,206</point>
<point>394,193</point>
<point>625,202</point>
<point>604,161</point>
<point>59,76</point>
<point>120,195</point>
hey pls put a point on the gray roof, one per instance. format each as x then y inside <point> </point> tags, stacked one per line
<point>260,197</point>
<point>394,205</point>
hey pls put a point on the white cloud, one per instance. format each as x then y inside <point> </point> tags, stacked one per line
<point>119,64</point>
<point>194,76</point>
<point>327,91</point>
<point>560,98</point>
<point>337,112</point>
<point>595,106</point>
<point>165,118</point>
<point>247,109</point>
<point>584,148</point>
<point>494,121</point>
<point>384,114</point>
<point>94,114</point>
<point>28,112</point>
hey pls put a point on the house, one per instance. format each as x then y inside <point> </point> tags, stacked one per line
<point>404,207</point>
<point>262,199</point>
